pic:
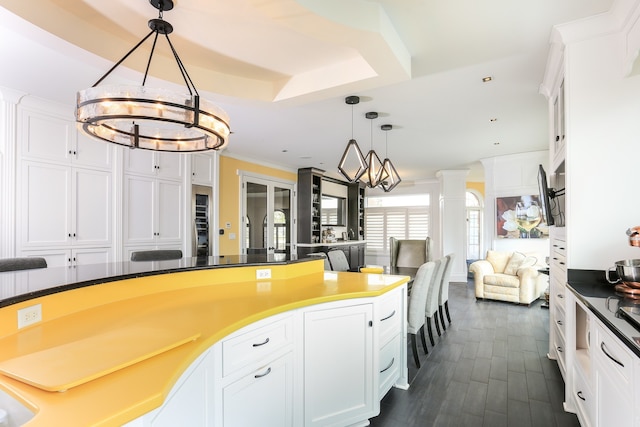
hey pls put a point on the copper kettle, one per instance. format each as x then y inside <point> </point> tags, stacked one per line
<point>634,236</point>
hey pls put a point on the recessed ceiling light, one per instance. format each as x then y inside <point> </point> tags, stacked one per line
<point>284,151</point>
<point>493,119</point>
<point>487,79</point>
<point>496,143</point>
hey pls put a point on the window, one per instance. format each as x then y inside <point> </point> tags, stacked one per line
<point>474,221</point>
<point>402,217</point>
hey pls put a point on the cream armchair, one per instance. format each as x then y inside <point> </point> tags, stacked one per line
<point>509,276</point>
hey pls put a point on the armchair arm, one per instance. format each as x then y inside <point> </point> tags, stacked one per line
<point>528,284</point>
<point>480,269</point>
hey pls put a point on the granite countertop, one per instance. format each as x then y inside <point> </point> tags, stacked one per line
<point>18,286</point>
<point>600,297</point>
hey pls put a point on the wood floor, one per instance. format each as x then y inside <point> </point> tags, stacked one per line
<point>489,368</point>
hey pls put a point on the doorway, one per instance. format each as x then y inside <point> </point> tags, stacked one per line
<point>267,216</point>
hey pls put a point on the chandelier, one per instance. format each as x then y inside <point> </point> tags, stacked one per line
<point>393,178</point>
<point>352,164</point>
<point>151,118</point>
<point>375,173</point>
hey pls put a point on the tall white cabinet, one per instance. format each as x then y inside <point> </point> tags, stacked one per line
<point>65,190</point>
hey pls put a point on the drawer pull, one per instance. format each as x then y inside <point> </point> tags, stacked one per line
<point>604,350</point>
<point>559,349</point>
<point>580,395</point>
<point>560,296</point>
<point>263,375</point>
<point>389,316</point>
<point>559,322</point>
<point>261,343</point>
<point>390,365</point>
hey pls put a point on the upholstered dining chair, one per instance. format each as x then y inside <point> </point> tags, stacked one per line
<point>156,255</point>
<point>443,299</point>
<point>322,255</point>
<point>431,306</point>
<point>409,253</point>
<point>338,260</point>
<point>25,263</point>
<point>417,301</point>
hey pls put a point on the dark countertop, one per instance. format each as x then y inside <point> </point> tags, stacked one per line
<point>18,286</point>
<point>591,288</point>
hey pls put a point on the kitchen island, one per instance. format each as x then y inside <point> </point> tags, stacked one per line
<point>125,347</point>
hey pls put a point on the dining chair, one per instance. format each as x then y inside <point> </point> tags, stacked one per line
<point>24,263</point>
<point>338,260</point>
<point>417,301</point>
<point>443,299</point>
<point>327,265</point>
<point>409,252</point>
<point>156,255</point>
<point>431,306</point>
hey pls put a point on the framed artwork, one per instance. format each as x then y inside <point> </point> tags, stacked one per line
<point>520,217</point>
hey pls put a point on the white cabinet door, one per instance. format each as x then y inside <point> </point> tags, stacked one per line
<point>91,207</point>
<point>46,137</point>
<point>338,370</point>
<point>45,195</point>
<point>139,161</point>
<point>92,152</point>
<point>262,398</point>
<point>170,165</point>
<point>168,212</point>
<point>153,211</point>
<point>138,205</point>
<point>202,169</point>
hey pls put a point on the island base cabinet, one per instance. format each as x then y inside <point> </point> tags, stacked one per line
<point>338,366</point>
<point>262,398</point>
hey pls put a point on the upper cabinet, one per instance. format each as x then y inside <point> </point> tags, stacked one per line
<point>47,137</point>
<point>202,168</point>
<point>154,163</point>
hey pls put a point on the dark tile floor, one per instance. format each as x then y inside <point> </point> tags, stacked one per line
<point>489,368</point>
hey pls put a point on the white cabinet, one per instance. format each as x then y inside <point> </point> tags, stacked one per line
<point>64,206</point>
<point>392,365</point>
<point>557,300</point>
<point>616,392</point>
<point>51,138</point>
<point>202,168</point>
<point>338,366</point>
<point>153,211</point>
<point>154,163</point>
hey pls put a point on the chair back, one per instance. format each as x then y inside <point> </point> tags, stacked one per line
<point>409,253</point>
<point>26,263</point>
<point>444,286</point>
<point>322,255</point>
<point>418,297</point>
<point>156,255</point>
<point>338,260</point>
<point>434,288</point>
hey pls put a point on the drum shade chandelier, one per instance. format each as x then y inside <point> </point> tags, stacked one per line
<point>375,173</point>
<point>150,118</point>
<point>352,164</point>
<point>393,179</point>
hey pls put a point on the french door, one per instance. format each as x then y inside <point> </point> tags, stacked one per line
<point>267,216</point>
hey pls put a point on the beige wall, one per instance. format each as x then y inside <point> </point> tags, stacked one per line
<point>230,197</point>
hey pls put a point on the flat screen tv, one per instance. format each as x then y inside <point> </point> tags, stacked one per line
<point>546,195</point>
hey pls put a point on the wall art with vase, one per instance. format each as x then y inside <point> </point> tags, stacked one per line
<point>520,217</point>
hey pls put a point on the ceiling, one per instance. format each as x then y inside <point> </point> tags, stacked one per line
<point>282,69</point>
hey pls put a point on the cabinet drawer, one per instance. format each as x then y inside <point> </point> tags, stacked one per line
<point>390,313</point>
<point>389,367</point>
<point>611,353</point>
<point>559,254</point>
<point>560,349</point>
<point>559,317</point>
<point>583,398</point>
<point>255,344</point>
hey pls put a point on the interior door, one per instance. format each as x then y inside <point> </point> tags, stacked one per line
<point>267,216</point>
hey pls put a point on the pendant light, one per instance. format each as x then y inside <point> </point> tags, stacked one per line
<point>151,118</point>
<point>375,173</point>
<point>393,179</point>
<point>352,164</point>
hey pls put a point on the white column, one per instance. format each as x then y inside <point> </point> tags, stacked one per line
<point>9,99</point>
<point>453,219</point>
